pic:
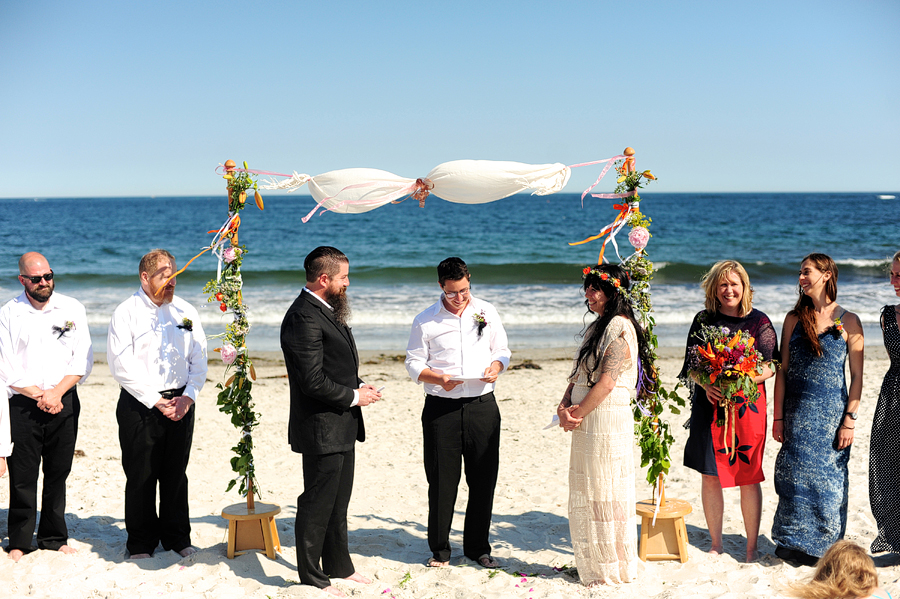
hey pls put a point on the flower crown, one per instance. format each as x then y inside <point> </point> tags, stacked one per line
<point>604,276</point>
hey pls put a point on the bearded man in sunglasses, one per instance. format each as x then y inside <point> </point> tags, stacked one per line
<point>45,350</point>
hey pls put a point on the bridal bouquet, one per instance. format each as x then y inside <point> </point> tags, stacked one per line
<point>729,362</point>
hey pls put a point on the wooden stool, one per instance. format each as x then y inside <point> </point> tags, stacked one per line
<point>252,528</point>
<point>668,539</point>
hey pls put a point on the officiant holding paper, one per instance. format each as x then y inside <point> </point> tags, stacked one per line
<point>457,349</point>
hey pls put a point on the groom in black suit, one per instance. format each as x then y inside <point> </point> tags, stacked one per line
<point>326,419</point>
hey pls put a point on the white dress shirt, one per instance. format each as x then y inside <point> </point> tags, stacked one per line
<point>6,444</point>
<point>449,344</point>
<point>148,353</point>
<point>32,352</point>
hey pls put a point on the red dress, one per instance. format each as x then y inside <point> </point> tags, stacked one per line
<point>705,450</point>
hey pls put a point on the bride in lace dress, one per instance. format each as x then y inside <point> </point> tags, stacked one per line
<point>597,409</point>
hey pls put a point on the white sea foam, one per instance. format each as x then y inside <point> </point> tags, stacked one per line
<point>863,263</point>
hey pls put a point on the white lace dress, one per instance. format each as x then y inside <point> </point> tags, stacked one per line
<point>602,520</point>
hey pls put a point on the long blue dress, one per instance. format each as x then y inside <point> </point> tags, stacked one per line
<point>811,476</point>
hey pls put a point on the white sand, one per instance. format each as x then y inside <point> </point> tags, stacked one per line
<point>388,510</point>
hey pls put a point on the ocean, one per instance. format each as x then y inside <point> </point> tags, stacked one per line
<point>517,251</point>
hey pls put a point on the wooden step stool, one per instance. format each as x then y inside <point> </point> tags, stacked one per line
<point>668,538</point>
<point>252,528</point>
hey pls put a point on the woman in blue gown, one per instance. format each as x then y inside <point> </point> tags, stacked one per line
<point>815,415</point>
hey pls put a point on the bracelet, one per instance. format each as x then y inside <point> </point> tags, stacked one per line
<point>849,428</point>
<point>778,419</point>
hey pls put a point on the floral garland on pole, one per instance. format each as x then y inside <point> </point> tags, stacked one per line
<point>234,395</point>
<point>652,399</point>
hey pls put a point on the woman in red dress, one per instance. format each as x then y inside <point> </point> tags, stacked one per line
<point>729,300</point>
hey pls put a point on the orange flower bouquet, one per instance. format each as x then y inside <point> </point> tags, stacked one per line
<point>729,362</point>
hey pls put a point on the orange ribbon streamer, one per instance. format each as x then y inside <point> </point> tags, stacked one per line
<point>608,230</point>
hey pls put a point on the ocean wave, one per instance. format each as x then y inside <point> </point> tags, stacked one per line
<point>865,263</point>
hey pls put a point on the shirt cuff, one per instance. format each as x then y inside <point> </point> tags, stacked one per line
<point>415,370</point>
<point>504,362</point>
<point>355,398</point>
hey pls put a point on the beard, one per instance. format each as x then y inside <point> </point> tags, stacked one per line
<point>162,294</point>
<point>41,294</point>
<point>341,305</point>
<point>167,295</point>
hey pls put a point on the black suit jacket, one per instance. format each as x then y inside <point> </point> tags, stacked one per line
<point>322,366</point>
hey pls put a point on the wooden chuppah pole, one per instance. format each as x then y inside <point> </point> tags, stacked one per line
<point>251,525</point>
<point>663,533</point>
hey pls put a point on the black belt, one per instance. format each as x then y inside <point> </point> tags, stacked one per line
<point>459,399</point>
<point>173,393</point>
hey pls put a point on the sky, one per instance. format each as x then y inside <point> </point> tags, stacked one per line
<point>124,98</point>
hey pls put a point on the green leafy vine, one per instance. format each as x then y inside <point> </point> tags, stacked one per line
<point>650,427</point>
<point>234,396</point>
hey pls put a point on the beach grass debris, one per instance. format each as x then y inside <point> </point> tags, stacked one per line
<point>405,579</point>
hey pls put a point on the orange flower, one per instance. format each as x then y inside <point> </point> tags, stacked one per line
<point>585,271</point>
<point>747,366</point>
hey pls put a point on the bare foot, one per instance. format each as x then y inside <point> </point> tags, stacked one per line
<point>486,561</point>
<point>67,550</point>
<point>189,550</point>
<point>357,577</point>
<point>15,554</point>
<point>334,591</point>
<point>139,556</point>
<point>752,556</point>
<point>716,550</point>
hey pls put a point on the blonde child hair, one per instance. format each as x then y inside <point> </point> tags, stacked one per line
<point>844,572</point>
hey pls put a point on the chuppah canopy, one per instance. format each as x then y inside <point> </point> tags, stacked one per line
<point>356,190</point>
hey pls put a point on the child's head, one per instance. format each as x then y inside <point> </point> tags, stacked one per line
<point>844,572</point>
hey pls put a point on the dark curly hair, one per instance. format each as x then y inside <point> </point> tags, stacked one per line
<point>617,304</point>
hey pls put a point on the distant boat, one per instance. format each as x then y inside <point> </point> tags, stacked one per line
<point>886,197</point>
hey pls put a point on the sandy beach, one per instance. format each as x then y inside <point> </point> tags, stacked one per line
<point>388,511</point>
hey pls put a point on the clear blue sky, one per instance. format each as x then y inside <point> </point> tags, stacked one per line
<point>146,98</point>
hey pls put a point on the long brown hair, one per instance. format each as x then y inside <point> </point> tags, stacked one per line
<point>617,304</point>
<point>844,572</point>
<point>804,309</point>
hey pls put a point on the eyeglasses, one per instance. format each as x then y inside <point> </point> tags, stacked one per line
<point>35,280</point>
<point>450,295</point>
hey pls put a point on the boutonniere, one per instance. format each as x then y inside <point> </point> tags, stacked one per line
<point>186,324</point>
<point>69,326</point>
<point>480,322</point>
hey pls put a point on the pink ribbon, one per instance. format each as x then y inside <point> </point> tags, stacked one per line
<point>613,196</point>
<point>248,170</point>
<point>609,162</point>
<point>405,190</point>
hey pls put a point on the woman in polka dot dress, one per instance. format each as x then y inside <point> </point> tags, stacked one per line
<point>884,447</point>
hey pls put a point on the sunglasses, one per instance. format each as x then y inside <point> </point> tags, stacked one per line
<point>35,280</point>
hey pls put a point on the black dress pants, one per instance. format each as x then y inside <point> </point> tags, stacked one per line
<point>154,450</point>
<point>38,436</point>
<point>454,430</point>
<point>321,523</point>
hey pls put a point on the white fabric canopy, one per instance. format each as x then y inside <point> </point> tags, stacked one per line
<point>355,190</point>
